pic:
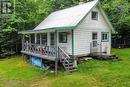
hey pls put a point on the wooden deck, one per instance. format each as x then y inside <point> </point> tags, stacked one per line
<point>45,52</point>
<point>39,55</point>
<point>51,53</point>
<point>103,56</point>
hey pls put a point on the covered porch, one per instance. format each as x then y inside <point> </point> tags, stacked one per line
<point>44,44</point>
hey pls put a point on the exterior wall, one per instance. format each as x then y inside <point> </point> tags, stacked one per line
<point>83,34</point>
<point>66,46</point>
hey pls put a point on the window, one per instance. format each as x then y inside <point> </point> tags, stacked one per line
<point>52,38</point>
<point>94,15</point>
<point>105,36</point>
<point>44,38</point>
<point>62,37</point>
<point>94,36</point>
<point>32,38</point>
<point>38,38</point>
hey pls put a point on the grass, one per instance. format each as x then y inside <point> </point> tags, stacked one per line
<point>15,72</point>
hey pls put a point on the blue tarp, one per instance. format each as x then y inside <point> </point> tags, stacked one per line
<point>37,61</point>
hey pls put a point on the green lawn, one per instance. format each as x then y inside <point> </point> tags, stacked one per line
<point>15,72</point>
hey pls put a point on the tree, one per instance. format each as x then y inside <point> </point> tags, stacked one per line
<point>119,14</point>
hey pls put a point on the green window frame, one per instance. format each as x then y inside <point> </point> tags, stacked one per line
<point>94,15</point>
<point>105,36</point>
<point>62,37</point>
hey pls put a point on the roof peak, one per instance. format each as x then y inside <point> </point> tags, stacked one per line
<point>77,5</point>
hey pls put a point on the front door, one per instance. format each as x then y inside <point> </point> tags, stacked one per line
<point>94,45</point>
<point>52,39</point>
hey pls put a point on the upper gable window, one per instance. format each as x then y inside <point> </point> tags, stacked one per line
<point>94,15</point>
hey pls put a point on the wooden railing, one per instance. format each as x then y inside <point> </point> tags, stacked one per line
<point>64,58</point>
<point>39,49</point>
<point>62,54</point>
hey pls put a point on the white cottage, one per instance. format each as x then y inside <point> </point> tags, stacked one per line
<point>70,33</point>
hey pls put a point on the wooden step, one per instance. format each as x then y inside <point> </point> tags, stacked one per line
<point>70,67</point>
<point>68,64</point>
<point>66,61</point>
<point>73,70</point>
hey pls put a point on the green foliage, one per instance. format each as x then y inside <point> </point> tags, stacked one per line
<point>119,15</point>
<point>8,41</point>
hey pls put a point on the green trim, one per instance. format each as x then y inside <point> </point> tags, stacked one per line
<point>73,43</point>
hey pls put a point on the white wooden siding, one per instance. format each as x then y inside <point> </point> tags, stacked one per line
<point>83,34</point>
<point>66,46</point>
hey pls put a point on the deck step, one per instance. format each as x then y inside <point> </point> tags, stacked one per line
<point>66,61</point>
<point>103,56</point>
<point>73,70</point>
<point>69,66</point>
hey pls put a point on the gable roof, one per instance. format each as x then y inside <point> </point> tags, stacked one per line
<point>69,17</point>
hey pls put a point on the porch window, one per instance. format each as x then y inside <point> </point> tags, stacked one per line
<point>62,37</point>
<point>52,38</point>
<point>94,36</point>
<point>94,15</point>
<point>32,38</point>
<point>44,38</point>
<point>105,36</point>
<point>38,38</point>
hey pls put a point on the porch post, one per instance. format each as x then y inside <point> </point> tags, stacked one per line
<point>75,61</point>
<point>56,60</point>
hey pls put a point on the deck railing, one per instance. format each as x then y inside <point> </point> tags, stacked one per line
<point>64,58</point>
<point>39,49</point>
